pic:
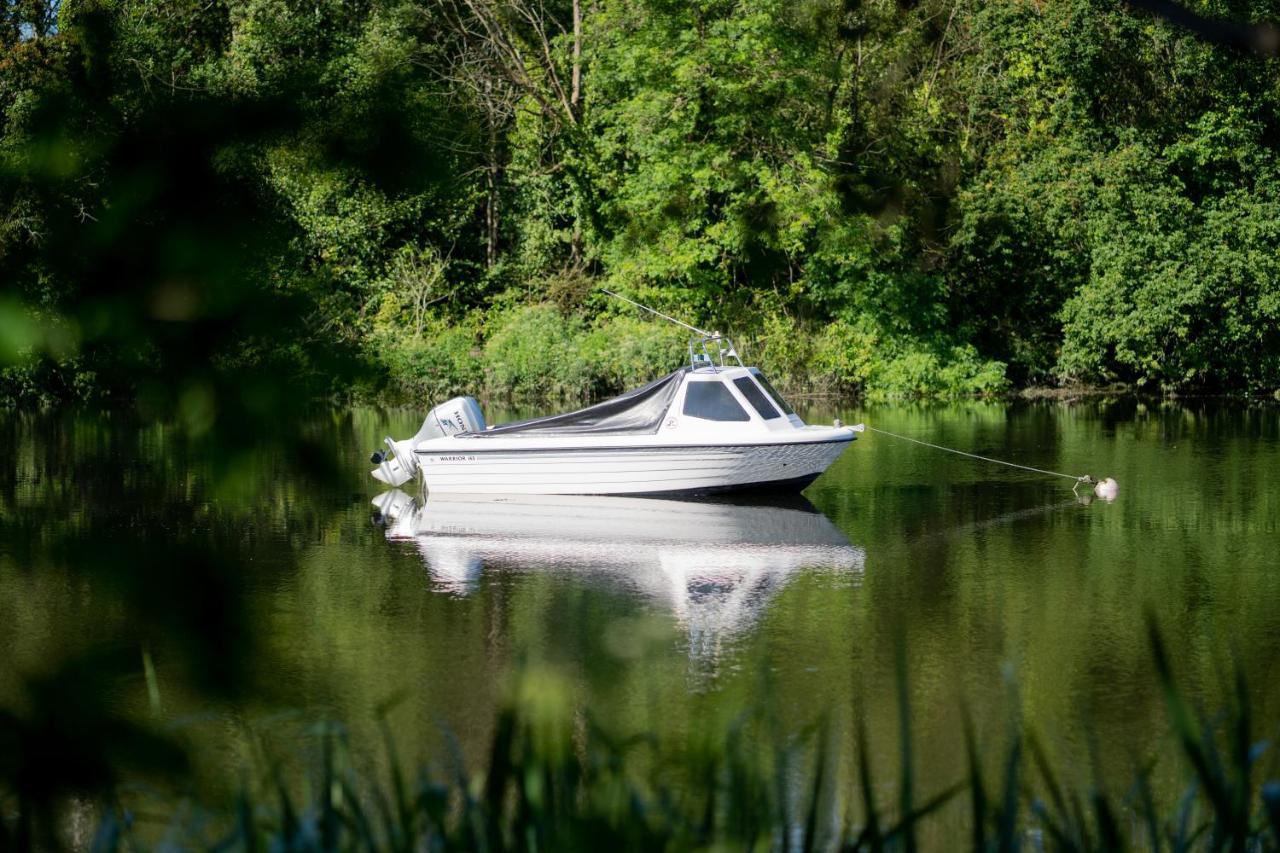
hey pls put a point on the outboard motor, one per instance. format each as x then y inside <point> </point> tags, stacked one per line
<point>397,464</point>
<point>461,414</point>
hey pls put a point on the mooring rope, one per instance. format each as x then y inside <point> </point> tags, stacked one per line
<point>1085,479</point>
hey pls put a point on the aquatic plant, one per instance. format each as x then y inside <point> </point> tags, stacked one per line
<point>556,779</point>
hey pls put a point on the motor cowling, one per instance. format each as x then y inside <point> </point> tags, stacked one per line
<point>398,464</point>
<point>461,414</point>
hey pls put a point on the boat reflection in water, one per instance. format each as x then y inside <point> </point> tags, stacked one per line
<point>714,564</point>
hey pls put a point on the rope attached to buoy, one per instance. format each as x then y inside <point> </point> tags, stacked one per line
<point>1105,488</point>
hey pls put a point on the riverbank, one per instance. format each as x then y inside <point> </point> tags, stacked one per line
<point>539,354</point>
<point>536,354</point>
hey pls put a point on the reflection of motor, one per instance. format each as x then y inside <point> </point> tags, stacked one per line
<point>398,464</point>
<point>390,506</point>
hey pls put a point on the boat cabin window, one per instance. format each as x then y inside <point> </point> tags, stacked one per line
<point>756,398</point>
<point>713,401</point>
<point>777,398</point>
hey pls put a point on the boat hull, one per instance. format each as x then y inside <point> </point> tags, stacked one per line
<point>628,470</point>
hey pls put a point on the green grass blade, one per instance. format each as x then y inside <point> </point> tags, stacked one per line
<point>403,826</point>
<point>153,682</point>
<point>356,819</point>
<point>977,788</point>
<point>815,797</point>
<point>473,823</point>
<point>328,816</point>
<point>1109,834</point>
<point>1061,823</point>
<point>501,772</point>
<point>1056,831</point>
<point>1181,841</point>
<point>1008,839</point>
<point>872,835</point>
<point>1193,746</point>
<point>288,815</point>
<point>1149,813</point>
<point>905,827</point>
<point>386,812</point>
<point>781,774</point>
<point>1242,764</point>
<point>1271,805</point>
<point>906,793</point>
<point>244,823</point>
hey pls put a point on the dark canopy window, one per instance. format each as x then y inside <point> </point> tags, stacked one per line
<point>756,398</point>
<point>777,398</point>
<point>713,401</point>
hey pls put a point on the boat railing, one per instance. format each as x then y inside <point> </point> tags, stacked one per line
<point>713,351</point>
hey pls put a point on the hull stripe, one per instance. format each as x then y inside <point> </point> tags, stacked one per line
<point>639,448</point>
<point>792,484</point>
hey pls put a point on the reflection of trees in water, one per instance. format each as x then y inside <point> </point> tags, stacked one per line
<point>143,265</point>
<point>124,543</point>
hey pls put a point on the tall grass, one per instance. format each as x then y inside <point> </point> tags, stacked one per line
<point>564,783</point>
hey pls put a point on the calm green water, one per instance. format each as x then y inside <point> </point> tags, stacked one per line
<point>267,597</point>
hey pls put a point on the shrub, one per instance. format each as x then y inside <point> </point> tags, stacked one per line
<point>535,352</point>
<point>859,356</point>
<point>786,352</point>
<point>443,363</point>
<point>627,352</point>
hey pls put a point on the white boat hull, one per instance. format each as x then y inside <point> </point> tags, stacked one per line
<point>462,467</point>
<point>696,431</point>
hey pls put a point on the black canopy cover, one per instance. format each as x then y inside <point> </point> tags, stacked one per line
<point>638,412</point>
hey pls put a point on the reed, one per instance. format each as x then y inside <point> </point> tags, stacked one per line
<point>569,785</point>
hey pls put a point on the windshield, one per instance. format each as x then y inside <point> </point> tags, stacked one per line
<point>756,398</point>
<point>777,398</point>
<point>713,401</point>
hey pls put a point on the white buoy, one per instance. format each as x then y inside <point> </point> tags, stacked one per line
<point>1107,489</point>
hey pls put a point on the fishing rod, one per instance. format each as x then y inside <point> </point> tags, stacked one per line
<point>724,346</point>
<point>667,317</point>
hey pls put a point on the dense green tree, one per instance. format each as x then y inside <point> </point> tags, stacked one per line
<point>899,198</point>
<point>1116,228</point>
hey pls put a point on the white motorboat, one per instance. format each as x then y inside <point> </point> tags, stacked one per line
<point>715,565</point>
<point>715,425</point>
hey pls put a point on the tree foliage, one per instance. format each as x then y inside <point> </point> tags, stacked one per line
<point>937,197</point>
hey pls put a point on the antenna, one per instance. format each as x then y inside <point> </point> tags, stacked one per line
<point>705,334</point>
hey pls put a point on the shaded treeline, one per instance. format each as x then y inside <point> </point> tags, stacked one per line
<point>928,197</point>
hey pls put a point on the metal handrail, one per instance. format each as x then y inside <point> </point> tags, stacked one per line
<point>724,349</point>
